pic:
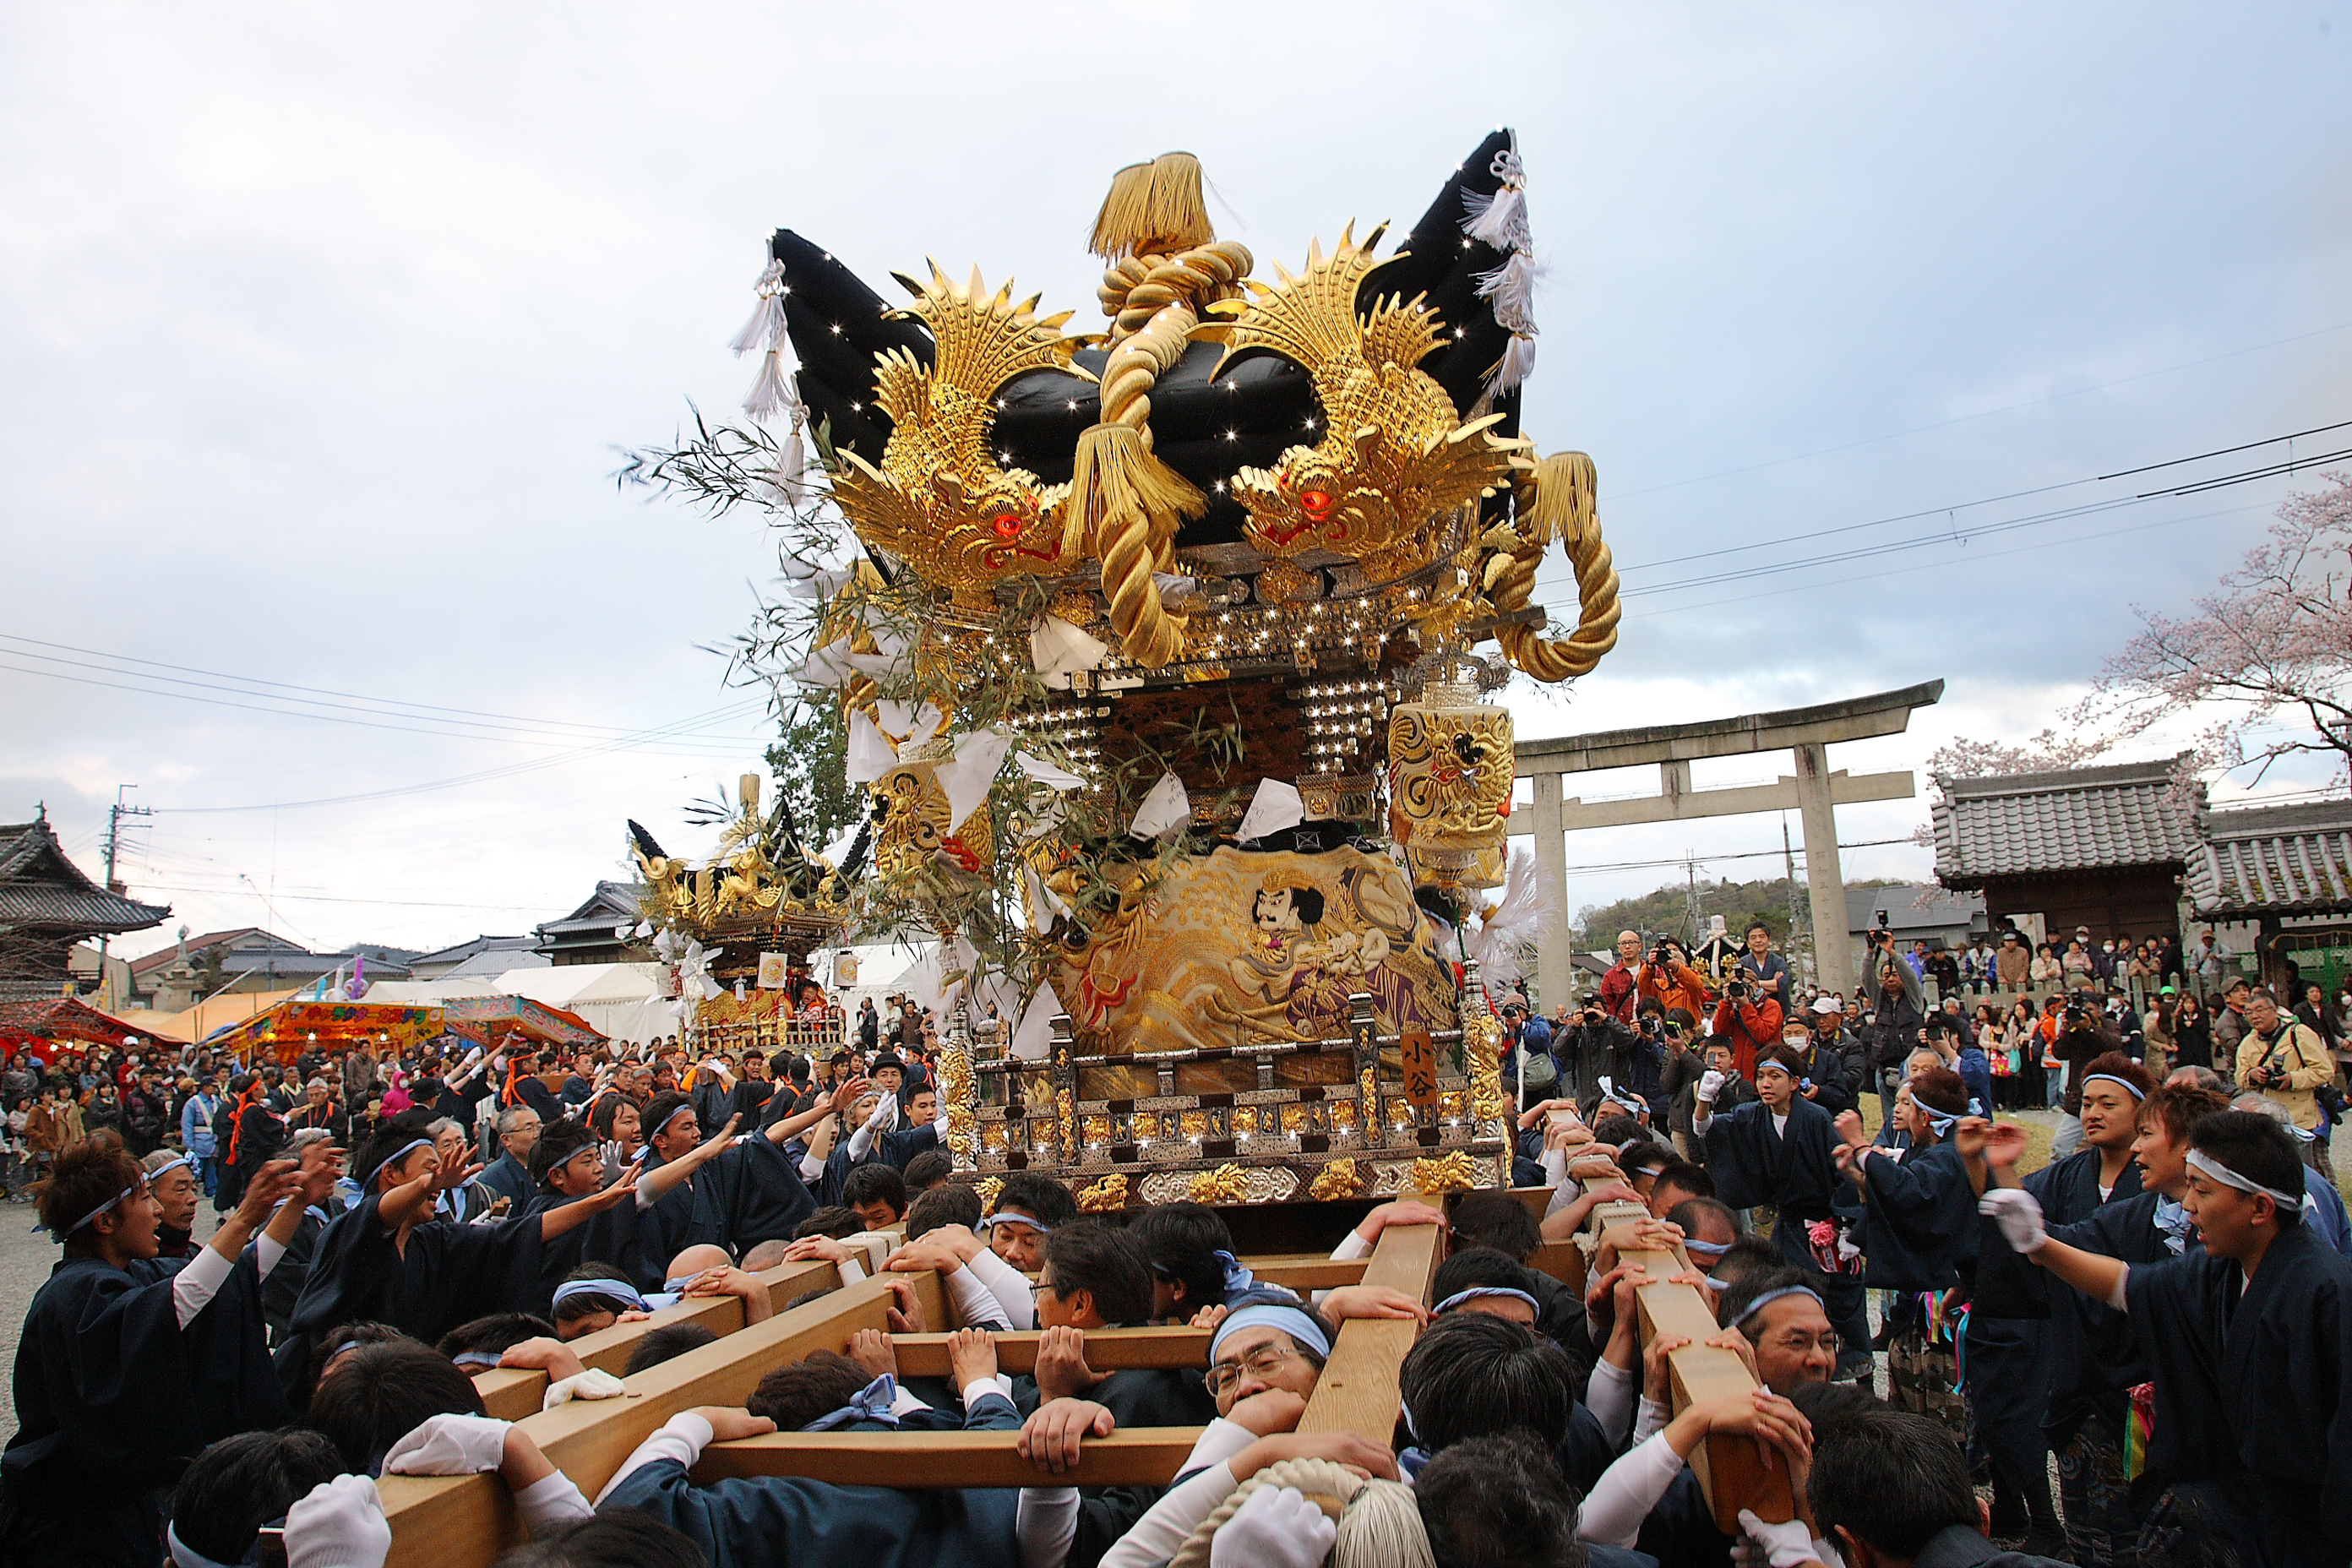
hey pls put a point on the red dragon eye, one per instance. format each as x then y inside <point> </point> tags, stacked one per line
<point>1006,524</point>
<point>1314,503</point>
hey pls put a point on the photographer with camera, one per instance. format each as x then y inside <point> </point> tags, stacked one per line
<point>1897,1009</point>
<point>2084,1031</point>
<point>1667,977</point>
<point>1595,1047</point>
<point>1750,1023</point>
<point>2282,1059</point>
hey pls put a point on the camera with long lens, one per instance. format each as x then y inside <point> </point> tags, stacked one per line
<point>1738,988</point>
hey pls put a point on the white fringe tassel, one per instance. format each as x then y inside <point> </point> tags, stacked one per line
<point>1518,363</point>
<point>772,393</point>
<point>1500,219</point>
<point>766,326</point>
<point>1512,289</point>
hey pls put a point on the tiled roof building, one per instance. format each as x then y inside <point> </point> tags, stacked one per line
<point>46,905</point>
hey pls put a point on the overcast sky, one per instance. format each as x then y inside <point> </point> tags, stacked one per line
<point>319,329</point>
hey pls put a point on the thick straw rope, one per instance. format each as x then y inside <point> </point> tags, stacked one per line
<point>1380,1526</point>
<point>1557,499</point>
<point>1155,302</point>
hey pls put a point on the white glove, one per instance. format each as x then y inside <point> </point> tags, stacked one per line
<point>1710,1084</point>
<point>588,1384</point>
<point>1277,1527</point>
<point>886,1114</point>
<point>339,1525</point>
<point>2019,1217</point>
<point>449,1445</point>
<point>1782,1545</point>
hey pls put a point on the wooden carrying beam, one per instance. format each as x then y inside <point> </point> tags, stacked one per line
<point>1141,1455</point>
<point>1358,1391</point>
<point>1731,1469</point>
<point>512,1393</point>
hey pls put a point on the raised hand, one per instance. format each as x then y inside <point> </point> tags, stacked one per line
<point>1061,1370</point>
<point>849,1094</point>
<point>1849,1130</point>
<point>971,1356</point>
<point>874,1355</point>
<point>2005,1143</point>
<point>1052,1436</point>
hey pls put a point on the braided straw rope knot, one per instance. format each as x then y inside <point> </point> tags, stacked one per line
<point>1380,1525</point>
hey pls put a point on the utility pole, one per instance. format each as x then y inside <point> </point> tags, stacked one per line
<point>1796,923</point>
<point>114,815</point>
<point>1693,916</point>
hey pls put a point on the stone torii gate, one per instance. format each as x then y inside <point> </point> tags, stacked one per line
<point>1815,791</point>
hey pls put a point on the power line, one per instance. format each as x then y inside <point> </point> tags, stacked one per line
<point>2011,495</point>
<point>589,730</point>
<point>1984,414</point>
<point>1745,854</point>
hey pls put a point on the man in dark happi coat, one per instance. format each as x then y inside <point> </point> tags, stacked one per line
<point>1782,1150</point>
<point>2249,1344</point>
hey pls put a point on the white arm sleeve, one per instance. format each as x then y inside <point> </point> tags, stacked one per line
<point>549,1501</point>
<point>1702,1117</point>
<point>1608,1395</point>
<point>1652,1420</point>
<point>194,1284</point>
<point>1045,1523</point>
<point>1008,1285</point>
<point>1156,1537</point>
<point>266,1254</point>
<point>1351,1247</point>
<point>811,1167</point>
<point>2115,1298</point>
<point>1555,1167</point>
<point>850,1270</point>
<point>683,1439</point>
<point>1626,1492</point>
<point>886,1114</point>
<point>973,1303</point>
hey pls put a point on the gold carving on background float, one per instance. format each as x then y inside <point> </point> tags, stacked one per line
<point>988,1189</point>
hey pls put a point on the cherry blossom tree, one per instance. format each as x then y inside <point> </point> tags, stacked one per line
<point>2271,645</point>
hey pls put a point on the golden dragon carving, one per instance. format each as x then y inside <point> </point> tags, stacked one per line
<point>1396,454</point>
<point>939,502</point>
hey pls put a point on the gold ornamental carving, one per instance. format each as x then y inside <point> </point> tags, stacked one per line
<point>1105,1196</point>
<point>1447,1174</point>
<point>1340,1179</point>
<point>1396,454</point>
<point>1450,770</point>
<point>939,502</point>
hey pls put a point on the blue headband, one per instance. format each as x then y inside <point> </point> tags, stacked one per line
<point>1769,1297</point>
<point>1706,1248</point>
<point>665,1121</point>
<point>177,1163</point>
<point>394,1158</point>
<point>2136,1092</point>
<point>1942,1121</point>
<point>1017,1218</point>
<point>875,1402</point>
<point>476,1358</point>
<point>1291,1321</point>
<point>1477,1292</point>
<point>617,1289</point>
<point>101,1208</point>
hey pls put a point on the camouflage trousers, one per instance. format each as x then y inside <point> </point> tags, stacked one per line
<point>1920,1371</point>
<point>2102,1529</point>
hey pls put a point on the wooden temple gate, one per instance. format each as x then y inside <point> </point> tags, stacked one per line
<point>466,1521</point>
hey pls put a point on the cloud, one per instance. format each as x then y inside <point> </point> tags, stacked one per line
<point>320,327</point>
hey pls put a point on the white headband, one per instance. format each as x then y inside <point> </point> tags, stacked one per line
<point>1769,1297</point>
<point>2204,1161</point>
<point>2136,1092</point>
<point>1478,1292</point>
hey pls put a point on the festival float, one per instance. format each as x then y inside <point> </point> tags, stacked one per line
<point>1166,657</point>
